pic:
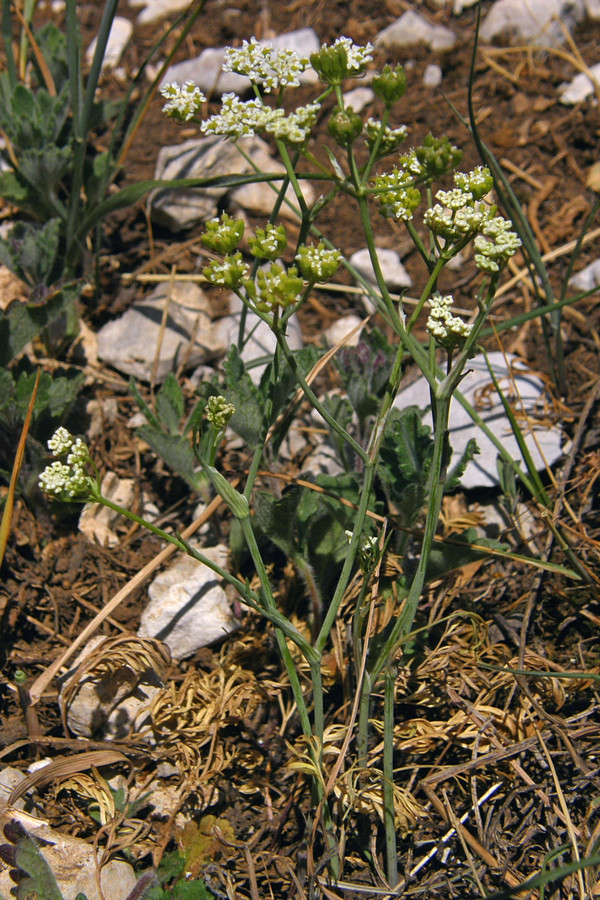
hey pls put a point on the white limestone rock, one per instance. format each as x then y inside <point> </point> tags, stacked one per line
<point>188,607</point>
<point>157,9</point>
<point>120,33</point>
<point>587,279</point>
<point>73,861</point>
<point>111,704</point>
<point>260,342</point>
<point>131,343</point>
<point>536,21</point>
<point>340,329</point>
<point>580,87</point>
<point>411,29</point>
<point>359,98</point>
<point>482,470</point>
<point>432,76</point>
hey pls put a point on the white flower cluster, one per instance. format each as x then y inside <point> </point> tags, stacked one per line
<point>71,477</point>
<point>239,118</point>
<point>391,138</point>
<point>397,195</point>
<point>357,57</point>
<point>448,330</point>
<point>226,272</point>
<point>495,245</point>
<point>461,213</point>
<point>272,69</point>
<point>183,102</point>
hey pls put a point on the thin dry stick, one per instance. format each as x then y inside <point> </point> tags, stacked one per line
<point>163,326</point>
<point>41,683</point>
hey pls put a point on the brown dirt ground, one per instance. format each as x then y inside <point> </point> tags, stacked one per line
<point>452,712</point>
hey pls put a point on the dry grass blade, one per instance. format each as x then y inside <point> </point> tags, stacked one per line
<point>60,768</point>
<point>10,496</point>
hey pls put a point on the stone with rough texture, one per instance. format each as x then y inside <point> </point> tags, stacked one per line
<point>260,338</point>
<point>120,32</point>
<point>188,608</point>
<point>336,333</point>
<point>580,87</point>
<point>97,521</point>
<point>73,861</point>
<point>592,9</point>
<point>211,157</point>
<point>394,273</point>
<point>10,777</point>
<point>477,384</point>
<point>536,21</point>
<point>412,28</point>
<point>133,342</point>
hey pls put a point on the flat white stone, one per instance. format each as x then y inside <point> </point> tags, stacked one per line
<point>73,862</point>
<point>130,343</point>
<point>211,157</point>
<point>580,87</point>
<point>459,5</point>
<point>120,33</point>
<point>260,340</point>
<point>341,328</point>
<point>188,608</point>
<point>478,389</point>
<point>412,28</point>
<point>535,21</point>
<point>10,777</point>
<point>359,98</point>
<point>587,279</point>
<point>394,273</point>
<point>158,9</point>
<point>432,76</point>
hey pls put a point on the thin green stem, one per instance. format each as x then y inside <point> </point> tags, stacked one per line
<point>389,817</point>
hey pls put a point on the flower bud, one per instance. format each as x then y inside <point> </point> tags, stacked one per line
<point>390,85</point>
<point>344,126</point>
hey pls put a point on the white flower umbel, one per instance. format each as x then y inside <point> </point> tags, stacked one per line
<point>67,478</point>
<point>357,57</point>
<point>183,102</point>
<point>238,118</point>
<point>318,264</point>
<point>295,127</point>
<point>449,331</point>
<point>269,68</point>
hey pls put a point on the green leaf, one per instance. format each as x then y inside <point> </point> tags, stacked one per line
<point>406,452</point>
<point>456,551</point>
<point>239,389</point>
<point>22,322</point>
<point>170,405</point>
<point>176,451</point>
<point>457,471</point>
<point>47,166</point>
<point>276,518</point>
<point>31,250</point>
<point>39,880</point>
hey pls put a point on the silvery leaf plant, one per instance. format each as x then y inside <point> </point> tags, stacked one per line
<point>369,169</point>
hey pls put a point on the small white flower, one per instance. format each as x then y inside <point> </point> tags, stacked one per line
<point>238,118</point>
<point>183,102</point>
<point>263,65</point>
<point>357,56</point>
<point>60,442</point>
<point>449,331</point>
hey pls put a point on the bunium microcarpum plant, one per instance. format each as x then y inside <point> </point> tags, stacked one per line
<point>274,291</point>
